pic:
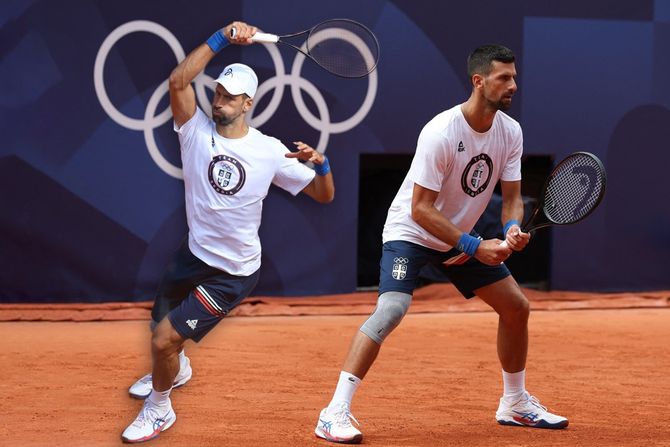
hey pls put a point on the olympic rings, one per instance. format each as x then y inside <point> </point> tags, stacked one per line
<point>278,82</point>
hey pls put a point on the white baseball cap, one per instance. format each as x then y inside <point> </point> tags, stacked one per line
<point>238,79</point>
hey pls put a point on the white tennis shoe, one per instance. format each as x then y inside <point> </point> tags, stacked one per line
<point>528,412</point>
<point>151,421</point>
<point>335,425</point>
<point>142,388</point>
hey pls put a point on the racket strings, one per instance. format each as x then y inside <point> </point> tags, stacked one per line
<point>575,188</point>
<point>343,47</point>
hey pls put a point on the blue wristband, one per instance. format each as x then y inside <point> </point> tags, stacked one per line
<point>217,41</point>
<point>508,224</point>
<point>468,244</point>
<point>323,168</point>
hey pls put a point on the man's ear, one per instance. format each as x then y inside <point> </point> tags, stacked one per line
<point>247,104</point>
<point>477,80</point>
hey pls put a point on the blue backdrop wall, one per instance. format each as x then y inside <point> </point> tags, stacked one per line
<point>91,197</point>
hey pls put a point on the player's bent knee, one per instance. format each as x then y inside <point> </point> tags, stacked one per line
<point>165,340</point>
<point>517,310</point>
<point>390,310</point>
<point>160,346</point>
<point>522,307</point>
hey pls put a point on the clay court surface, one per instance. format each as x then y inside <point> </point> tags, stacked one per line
<point>603,361</point>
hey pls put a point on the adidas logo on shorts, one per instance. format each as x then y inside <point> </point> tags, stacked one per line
<point>192,323</point>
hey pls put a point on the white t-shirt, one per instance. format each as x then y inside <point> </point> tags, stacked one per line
<point>463,166</point>
<point>225,182</point>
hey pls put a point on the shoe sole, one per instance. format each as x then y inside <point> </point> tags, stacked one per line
<point>323,435</point>
<point>167,425</point>
<point>177,384</point>
<point>540,424</point>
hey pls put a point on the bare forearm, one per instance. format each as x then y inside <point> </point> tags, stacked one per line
<point>431,220</point>
<point>188,69</point>
<point>512,206</point>
<point>512,210</point>
<point>324,188</point>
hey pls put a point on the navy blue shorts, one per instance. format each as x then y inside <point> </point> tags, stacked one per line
<point>401,262</point>
<point>196,296</point>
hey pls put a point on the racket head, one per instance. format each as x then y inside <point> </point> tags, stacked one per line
<point>574,189</point>
<point>343,47</point>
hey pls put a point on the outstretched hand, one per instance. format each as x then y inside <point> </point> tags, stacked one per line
<point>243,33</point>
<point>305,153</point>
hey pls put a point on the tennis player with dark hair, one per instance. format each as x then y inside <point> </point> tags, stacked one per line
<point>228,169</point>
<point>461,154</point>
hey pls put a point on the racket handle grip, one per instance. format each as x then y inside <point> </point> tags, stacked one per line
<point>265,38</point>
<point>258,37</point>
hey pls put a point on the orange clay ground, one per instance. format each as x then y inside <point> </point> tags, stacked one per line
<point>261,381</point>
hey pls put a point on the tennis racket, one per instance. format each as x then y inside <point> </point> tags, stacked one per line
<point>574,189</point>
<point>342,47</point>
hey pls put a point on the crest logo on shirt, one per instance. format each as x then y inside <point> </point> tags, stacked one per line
<point>226,175</point>
<point>399,267</point>
<point>477,175</point>
<point>476,179</point>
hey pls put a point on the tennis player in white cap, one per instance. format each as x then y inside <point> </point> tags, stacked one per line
<point>228,169</point>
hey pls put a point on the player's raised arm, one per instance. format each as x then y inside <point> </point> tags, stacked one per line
<point>182,96</point>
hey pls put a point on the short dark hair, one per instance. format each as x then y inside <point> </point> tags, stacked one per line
<point>479,61</point>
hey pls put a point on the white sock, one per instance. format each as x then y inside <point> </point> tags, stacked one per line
<point>183,360</point>
<point>514,385</point>
<point>159,398</point>
<point>346,387</point>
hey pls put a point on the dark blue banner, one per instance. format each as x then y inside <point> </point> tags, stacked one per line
<point>91,196</point>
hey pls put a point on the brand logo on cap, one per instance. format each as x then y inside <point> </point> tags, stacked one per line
<point>228,72</point>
